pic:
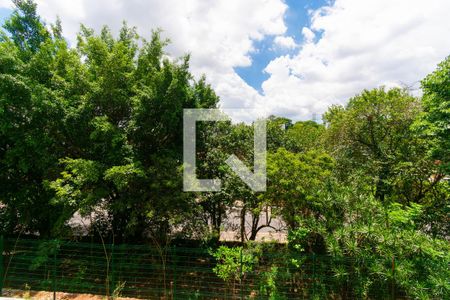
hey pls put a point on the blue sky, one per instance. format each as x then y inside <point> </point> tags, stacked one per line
<point>4,13</point>
<point>295,18</point>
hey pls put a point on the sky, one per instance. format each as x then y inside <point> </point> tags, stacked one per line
<point>292,58</point>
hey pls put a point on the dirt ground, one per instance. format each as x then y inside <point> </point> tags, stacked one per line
<point>43,295</point>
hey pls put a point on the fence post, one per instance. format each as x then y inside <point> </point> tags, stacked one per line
<point>1,264</point>
<point>174,263</point>
<point>393,279</point>
<point>112,282</point>
<point>54,268</point>
<point>314,275</point>
<point>241,273</point>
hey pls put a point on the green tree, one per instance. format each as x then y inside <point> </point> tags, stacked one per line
<point>131,122</point>
<point>373,133</point>
<point>377,238</point>
<point>93,128</point>
<point>435,119</point>
<point>294,181</point>
<point>31,116</point>
<point>304,136</point>
<point>26,28</point>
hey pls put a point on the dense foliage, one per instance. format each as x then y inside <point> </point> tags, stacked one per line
<point>96,130</point>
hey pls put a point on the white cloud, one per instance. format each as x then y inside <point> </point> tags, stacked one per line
<point>286,42</point>
<point>218,34</point>
<point>361,44</point>
<point>5,4</point>
<point>308,34</point>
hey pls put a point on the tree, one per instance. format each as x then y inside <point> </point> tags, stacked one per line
<point>295,179</point>
<point>373,133</point>
<point>304,136</point>
<point>276,132</point>
<point>94,128</point>
<point>131,116</point>
<point>435,119</point>
<point>30,121</point>
<point>215,142</point>
<point>26,28</point>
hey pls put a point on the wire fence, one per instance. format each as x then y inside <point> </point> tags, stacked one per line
<point>180,273</point>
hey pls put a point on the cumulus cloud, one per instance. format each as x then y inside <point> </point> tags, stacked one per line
<point>361,44</point>
<point>219,35</point>
<point>286,42</point>
<point>308,34</point>
<point>5,4</point>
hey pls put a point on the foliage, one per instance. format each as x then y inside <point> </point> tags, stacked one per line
<point>373,134</point>
<point>93,127</point>
<point>435,120</point>
<point>305,136</point>
<point>294,181</point>
<point>269,285</point>
<point>416,256</point>
<point>233,263</point>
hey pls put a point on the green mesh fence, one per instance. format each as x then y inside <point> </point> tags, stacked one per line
<point>182,273</point>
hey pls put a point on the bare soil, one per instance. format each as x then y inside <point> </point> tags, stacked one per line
<point>44,295</point>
